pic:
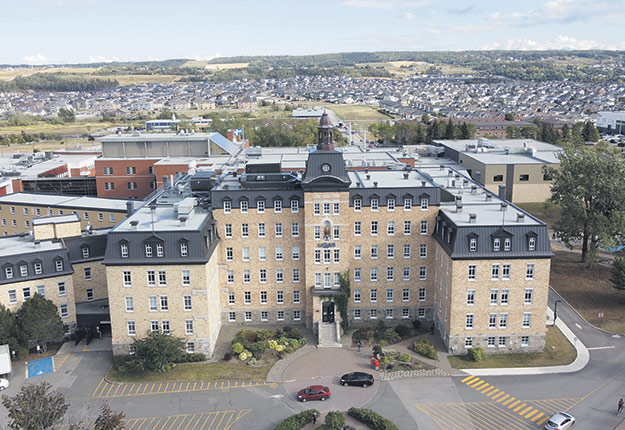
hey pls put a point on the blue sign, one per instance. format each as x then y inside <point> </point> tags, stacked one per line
<point>326,245</point>
<point>39,367</point>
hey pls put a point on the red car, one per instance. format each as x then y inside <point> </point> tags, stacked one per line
<point>313,392</point>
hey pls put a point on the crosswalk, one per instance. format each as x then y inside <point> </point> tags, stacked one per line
<point>107,389</point>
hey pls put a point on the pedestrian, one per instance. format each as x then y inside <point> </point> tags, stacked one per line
<point>359,345</point>
<point>620,406</point>
<point>314,418</point>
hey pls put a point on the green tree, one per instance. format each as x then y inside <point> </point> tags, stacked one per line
<point>8,333</point>
<point>509,116</point>
<point>159,351</point>
<point>449,130</point>
<point>39,322</point>
<point>589,186</point>
<point>166,114</point>
<point>590,132</point>
<point>425,119</point>
<point>618,272</point>
<point>67,115</point>
<point>109,420</point>
<point>35,407</point>
<point>566,131</point>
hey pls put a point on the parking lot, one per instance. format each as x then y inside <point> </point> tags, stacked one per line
<point>107,389</point>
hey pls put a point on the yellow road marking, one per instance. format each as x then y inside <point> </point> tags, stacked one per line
<point>165,423</point>
<point>116,390</point>
<point>493,392</point>
<point>485,388</point>
<point>196,423</point>
<point>222,418</point>
<point>479,384</point>
<point>525,410</point>
<point>514,404</point>
<point>474,383</point>
<point>109,390</point>
<point>511,399</point>
<point>468,378</point>
<point>518,408</point>
<point>532,412</point>
<point>541,422</point>
<point>503,398</point>
<point>97,388</point>
<point>57,368</point>
<point>498,395</point>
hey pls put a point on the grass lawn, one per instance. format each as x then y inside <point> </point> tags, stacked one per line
<point>558,351</point>
<point>546,213</point>
<point>357,113</point>
<point>196,372</point>
<point>589,291</point>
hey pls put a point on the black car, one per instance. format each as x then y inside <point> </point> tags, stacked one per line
<point>357,378</point>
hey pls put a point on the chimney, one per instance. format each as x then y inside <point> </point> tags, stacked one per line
<point>441,167</point>
<point>375,184</point>
<point>37,244</point>
<point>133,224</point>
<point>473,189</point>
<point>423,183</point>
<point>367,177</point>
<point>478,176</point>
<point>366,170</point>
<point>130,208</point>
<point>450,173</point>
<point>183,220</point>
<point>504,206</point>
<point>502,192</point>
<point>520,217</point>
<point>458,204</point>
<point>489,197</point>
<point>472,218</point>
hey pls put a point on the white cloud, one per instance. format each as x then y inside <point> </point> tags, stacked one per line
<point>386,4</point>
<point>560,42</point>
<point>102,59</point>
<point>35,59</point>
<point>201,57</point>
<point>489,46</point>
<point>408,15</point>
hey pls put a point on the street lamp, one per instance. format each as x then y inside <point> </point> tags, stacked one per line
<point>555,311</point>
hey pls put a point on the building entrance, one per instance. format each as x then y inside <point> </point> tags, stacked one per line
<point>328,312</point>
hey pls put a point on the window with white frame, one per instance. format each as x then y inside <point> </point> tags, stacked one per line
<point>525,341</point>
<point>297,315</point>
<point>229,254</point>
<point>326,208</point>
<point>186,277</point>
<point>278,229</point>
<point>244,206</point>
<point>280,315</point>
<point>162,278</point>
<point>507,243</point>
<point>263,275</point>
<point>423,250</point>
<point>317,208</point>
<point>26,293</point>
<point>390,251</point>
<point>424,227</point>
<point>230,277</point>
<point>407,250</point>
<point>503,320</point>
<point>496,244</point>
<point>295,253</point>
<point>529,271</point>
<point>527,299</point>
<point>505,273</point>
<point>228,231</point>
<point>504,297</point>
<point>247,297</point>
<point>295,229</point>
<point>357,274</point>
<point>317,232</point>
<point>473,244</point>
<point>422,294</point>
<point>262,253</point>
<point>422,273</point>
<point>407,204</point>
<point>374,228</point>
<point>527,319</point>
<point>164,302</point>
<point>231,298</point>
<point>405,295</point>
<point>294,206</point>
<point>59,265</point>
<point>531,243</point>
<point>279,253</point>
<point>373,295</point>
<point>494,272</point>
<point>472,270</point>
<point>420,312</point>
<point>357,314</point>
<point>260,206</point>
<point>89,292</point>
<point>373,314</point>
<point>336,232</point>
<point>296,297</point>
<point>317,280</point>
<point>165,327</point>
<point>245,230</point>
<point>296,276</point>
<point>468,342</point>
<point>407,228</point>
<point>357,252</point>
<point>389,314</point>
<point>357,205</point>
<point>492,321</point>
<point>374,204</point>
<point>130,326</point>
<point>390,274</point>
<point>232,316</point>
<point>246,276</point>
<point>277,206</point>
<point>357,228</point>
<point>390,228</point>
<point>23,270</point>
<point>130,304</point>
<point>248,316</point>
<point>280,297</point>
<point>184,249</point>
<point>151,278</point>
<point>406,276</point>
<point>264,315</point>
<point>263,297</point>
<point>261,229</point>
<point>374,251</point>
<point>503,341</point>
<point>494,294</point>
<point>336,208</point>
<point>279,276</point>
<point>160,251</point>
<point>390,205</point>
<point>152,303</point>
<point>227,206</point>
<point>469,322</point>
<point>188,327</point>
<point>470,297</point>
<point>425,203</point>
<point>374,274</point>
<point>124,250</point>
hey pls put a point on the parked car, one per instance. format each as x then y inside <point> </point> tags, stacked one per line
<point>560,421</point>
<point>314,392</point>
<point>4,384</point>
<point>357,378</point>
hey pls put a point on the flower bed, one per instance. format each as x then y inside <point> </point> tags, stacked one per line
<point>382,335</point>
<point>254,347</point>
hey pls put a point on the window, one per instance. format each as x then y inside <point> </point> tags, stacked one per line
<point>373,296</point>
<point>471,272</point>
<point>62,288</point>
<point>492,321</point>
<point>230,277</point>
<point>280,297</point>
<point>421,312</point>
<point>374,205</point>
<point>390,205</point>
<point>127,277</point>
<point>227,206</point>
<point>228,230</point>
<point>188,327</point>
<point>295,275</point>
<point>469,322</point>
<point>326,208</point>
<point>470,297</point>
<point>390,274</point>
<point>317,232</point>
<point>151,278</point>
<point>247,297</point>
<point>294,206</point>
<point>279,253</point>
<point>425,203</point>
<point>336,208</point>
<point>148,250</point>
<point>164,303</point>
<point>279,276</point>
<point>317,209</point>
<point>494,294</point>
<point>422,273</point>
<point>165,326</point>
<point>503,320</point>
<point>248,316</point>
<point>277,206</point>
<point>357,228</point>
<point>132,185</point>
<point>26,293</point>
<point>296,297</point>
<point>527,319</point>
<point>357,274</point>
<point>525,341</point>
<point>357,205</point>
<point>245,230</point>
<point>153,303</point>
<point>357,252</point>
<point>12,297</point>
<point>130,326</point>
<point>295,229</point>
<point>124,250</point>
<point>244,206</point>
<point>527,300</point>
<point>231,298</point>
<point>280,316</point>
<point>503,300</point>
<point>374,228</point>
<point>390,228</point>
<point>407,250</point>
<point>246,276</point>
<point>531,243</point>
<point>8,271</point>
<point>505,274</point>
<point>422,294</point>
<point>357,296</point>
<point>260,205</point>
<point>100,217</point>
<point>390,251</point>
<point>494,272</point>
<point>162,278</point>
<point>261,229</point>
<point>232,316</point>
<point>262,253</point>
<point>496,244</point>
<point>108,170</point>
<point>524,178</point>
<point>90,295</point>
<point>59,265</point>
<point>389,314</point>
<point>405,295</point>
<point>468,342</point>
<point>337,256</point>
<point>407,204</point>
<point>317,256</point>
<point>187,303</point>
<point>406,276</point>
<point>529,271</point>
<point>336,232</point>
<point>357,314</point>
<point>507,243</point>
<point>423,250</point>
<point>473,244</point>
<point>85,215</point>
<point>424,227</point>
<point>374,274</point>
<point>295,253</point>
<point>317,280</point>
<point>131,170</point>
<point>130,304</point>
<point>263,275</point>
<point>296,315</point>
<point>109,186</point>
<point>373,314</point>
<point>184,249</point>
<point>264,316</point>
<point>229,254</point>
<point>278,229</point>
<point>14,223</point>
<point>38,268</point>
<point>497,178</point>
<point>374,251</point>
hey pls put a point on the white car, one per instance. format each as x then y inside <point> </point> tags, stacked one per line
<point>560,421</point>
<point>4,383</point>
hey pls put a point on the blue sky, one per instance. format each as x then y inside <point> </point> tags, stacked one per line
<point>82,31</point>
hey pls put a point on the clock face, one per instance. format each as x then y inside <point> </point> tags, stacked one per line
<point>325,167</point>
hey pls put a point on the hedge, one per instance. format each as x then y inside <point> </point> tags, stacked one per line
<point>335,420</point>
<point>297,421</point>
<point>372,419</point>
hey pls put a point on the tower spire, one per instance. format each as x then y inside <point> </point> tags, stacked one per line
<point>324,134</point>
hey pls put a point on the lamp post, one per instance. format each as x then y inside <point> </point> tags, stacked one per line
<point>555,311</point>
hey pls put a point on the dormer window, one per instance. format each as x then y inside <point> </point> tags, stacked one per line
<point>159,250</point>
<point>23,270</point>
<point>374,204</point>
<point>507,243</point>
<point>357,205</point>
<point>244,206</point>
<point>277,206</point>
<point>184,249</point>
<point>425,203</point>
<point>148,250</point>
<point>58,264</point>
<point>531,243</point>
<point>261,206</point>
<point>85,252</point>
<point>38,268</point>
<point>390,205</point>
<point>227,206</point>
<point>123,248</point>
<point>473,244</point>
<point>8,272</point>
<point>496,244</point>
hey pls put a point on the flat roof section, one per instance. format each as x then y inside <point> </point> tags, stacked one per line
<point>16,245</point>
<point>83,202</point>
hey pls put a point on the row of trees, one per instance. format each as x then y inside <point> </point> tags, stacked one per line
<point>37,407</point>
<point>577,134</point>
<point>56,82</point>
<point>36,322</point>
<point>420,132</point>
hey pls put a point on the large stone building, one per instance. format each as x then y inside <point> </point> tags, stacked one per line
<point>268,246</point>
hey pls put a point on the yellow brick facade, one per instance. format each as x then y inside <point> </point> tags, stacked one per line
<point>89,276</point>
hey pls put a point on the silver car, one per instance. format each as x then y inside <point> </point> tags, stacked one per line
<point>560,421</point>
<point>4,383</point>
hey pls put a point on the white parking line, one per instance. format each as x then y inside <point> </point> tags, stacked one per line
<point>600,347</point>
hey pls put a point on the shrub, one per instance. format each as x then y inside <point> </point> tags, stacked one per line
<point>302,341</point>
<point>373,420</point>
<point>258,349</point>
<point>293,343</point>
<point>237,348</point>
<point>425,347</point>
<point>297,421</point>
<point>227,356</point>
<point>128,363</point>
<point>406,358</point>
<point>294,333</point>
<point>283,340</point>
<point>272,344</point>
<point>402,330</point>
<point>377,351</point>
<point>416,324</point>
<point>476,354</point>
<point>264,334</point>
<point>391,335</point>
<point>244,355</point>
<point>386,359</point>
<point>335,420</point>
<point>191,357</point>
<point>253,361</point>
<point>383,342</point>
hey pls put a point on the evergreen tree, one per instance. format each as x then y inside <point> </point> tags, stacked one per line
<point>618,272</point>
<point>39,322</point>
<point>464,131</point>
<point>509,116</point>
<point>590,132</point>
<point>566,131</point>
<point>449,131</point>
<point>425,119</point>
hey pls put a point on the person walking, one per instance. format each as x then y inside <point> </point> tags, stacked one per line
<point>359,345</point>
<point>314,418</point>
<point>620,406</point>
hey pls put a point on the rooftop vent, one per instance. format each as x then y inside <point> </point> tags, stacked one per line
<point>489,197</point>
<point>450,173</point>
<point>520,217</point>
<point>473,189</point>
<point>406,175</point>
<point>375,184</point>
<point>472,218</point>
<point>504,206</point>
<point>441,167</point>
<point>423,183</point>
<point>133,224</point>
<point>458,204</point>
<point>367,176</point>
